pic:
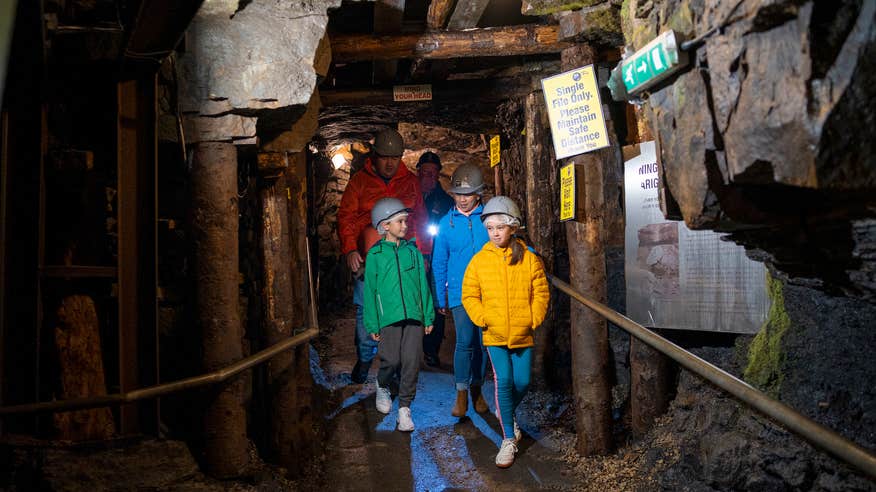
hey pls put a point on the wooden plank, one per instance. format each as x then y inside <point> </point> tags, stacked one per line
<point>78,271</point>
<point>127,250</point>
<point>467,14</point>
<point>527,39</point>
<point>80,360</point>
<point>137,345</point>
<point>388,17</point>
<point>463,91</point>
<point>439,12</point>
<point>4,186</point>
<point>41,252</point>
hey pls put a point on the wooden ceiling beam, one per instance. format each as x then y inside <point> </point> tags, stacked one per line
<point>483,91</point>
<point>439,12</point>
<point>527,39</point>
<point>467,14</point>
<point>388,18</point>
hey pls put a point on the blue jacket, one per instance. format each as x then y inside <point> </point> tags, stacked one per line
<point>458,239</point>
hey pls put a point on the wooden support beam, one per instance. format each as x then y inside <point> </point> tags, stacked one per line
<point>279,321</point>
<point>462,91</point>
<point>439,12</point>
<point>388,16</point>
<point>158,28</point>
<point>138,347</point>
<point>540,174</point>
<point>650,385</point>
<point>215,231</point>
<point>585,238</point>
<point>527,39</point>
<point>467,14</point>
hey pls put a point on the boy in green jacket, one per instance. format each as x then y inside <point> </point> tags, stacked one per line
<point>397,305</point>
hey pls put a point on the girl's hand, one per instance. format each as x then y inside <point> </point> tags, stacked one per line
<point>429,329</point>
<point>375,337</point>
<point>443,311</point>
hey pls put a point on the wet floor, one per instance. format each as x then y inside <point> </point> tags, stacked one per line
<point>366,452</point>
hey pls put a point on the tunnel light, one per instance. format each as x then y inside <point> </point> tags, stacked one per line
<point>433,229</point>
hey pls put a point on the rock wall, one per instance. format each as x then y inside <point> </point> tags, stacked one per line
<point>769,134</point>
<point>250,67</point>
<point>820,364</point>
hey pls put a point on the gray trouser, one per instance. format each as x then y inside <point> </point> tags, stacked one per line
<point>401,346</point>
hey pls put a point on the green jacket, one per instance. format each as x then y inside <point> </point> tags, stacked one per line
<point>396,287</point>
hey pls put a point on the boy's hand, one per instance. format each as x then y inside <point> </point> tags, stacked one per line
<point>375,337</point>
<point>429,329</point>
<point>443,311</point>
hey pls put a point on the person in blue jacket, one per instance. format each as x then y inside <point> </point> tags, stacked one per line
<point>461,234</point>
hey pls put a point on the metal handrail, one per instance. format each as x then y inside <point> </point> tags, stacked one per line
<point>210,378</point>
<point>214,377</point>
<point>791,419</point>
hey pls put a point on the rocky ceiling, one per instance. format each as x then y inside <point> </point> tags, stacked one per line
<point>357,96</point>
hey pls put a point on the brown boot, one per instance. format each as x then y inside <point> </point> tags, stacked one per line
<point>461,405</point>
<point>480,405</point>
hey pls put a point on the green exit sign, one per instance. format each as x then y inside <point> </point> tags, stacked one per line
<point>645,68</point>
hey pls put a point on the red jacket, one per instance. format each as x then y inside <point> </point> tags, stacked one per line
<point>363,191</point>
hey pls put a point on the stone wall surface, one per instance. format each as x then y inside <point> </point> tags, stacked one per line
<point>821,367</point>
<point>769,134</point>
<point>252,59</point>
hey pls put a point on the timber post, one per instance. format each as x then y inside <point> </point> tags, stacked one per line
<point>215,231</point>
<point>278,320</point>
<point>650,385</point>
<point>589,331</point>
<point>541,170</point>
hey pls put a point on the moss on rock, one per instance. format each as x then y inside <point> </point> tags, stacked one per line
<point>547,7</point>
<point>765,354</point>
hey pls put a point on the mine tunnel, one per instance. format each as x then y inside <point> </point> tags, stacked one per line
<point>661,274</point>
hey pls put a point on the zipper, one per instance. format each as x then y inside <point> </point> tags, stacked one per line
<point>507,300</point>
<point>380,304</point>
<point>400,288</point>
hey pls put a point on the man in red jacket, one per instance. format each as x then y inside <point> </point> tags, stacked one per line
<point>382,176</point>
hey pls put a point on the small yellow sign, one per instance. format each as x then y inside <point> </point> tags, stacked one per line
<point>567,192</point>
<point>575,112</point>
<point>495,151</point>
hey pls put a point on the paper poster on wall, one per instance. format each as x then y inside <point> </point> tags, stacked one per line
<point>682,279</point>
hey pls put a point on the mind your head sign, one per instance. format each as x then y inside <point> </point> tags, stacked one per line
<point>575,112</point>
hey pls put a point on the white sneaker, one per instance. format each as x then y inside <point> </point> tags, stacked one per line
<point>383,399</point>
<point>405,423</point>
<point>505,458</point>
<point>517,434</point>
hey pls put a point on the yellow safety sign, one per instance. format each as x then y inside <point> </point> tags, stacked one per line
<point>567,192</point>
<point>495,151</point>
<point>575,112</point>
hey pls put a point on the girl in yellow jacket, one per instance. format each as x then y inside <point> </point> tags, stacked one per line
<point>505,291</point>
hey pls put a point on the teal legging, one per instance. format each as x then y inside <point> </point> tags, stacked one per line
<point>511,369</point>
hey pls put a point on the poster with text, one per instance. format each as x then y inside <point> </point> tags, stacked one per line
<point>682,279</point>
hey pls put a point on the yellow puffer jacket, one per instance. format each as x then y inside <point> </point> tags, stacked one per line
<point>510,301</point>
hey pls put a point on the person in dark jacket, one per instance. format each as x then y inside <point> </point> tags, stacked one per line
<point>438,202</point>
<point>398,307</point>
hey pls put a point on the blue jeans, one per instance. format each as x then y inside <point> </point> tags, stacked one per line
<point>512,369</point>
<point>366,347</point>
<point>469,359</point>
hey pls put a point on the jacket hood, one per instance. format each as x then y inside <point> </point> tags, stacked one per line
<point>474,213</point>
